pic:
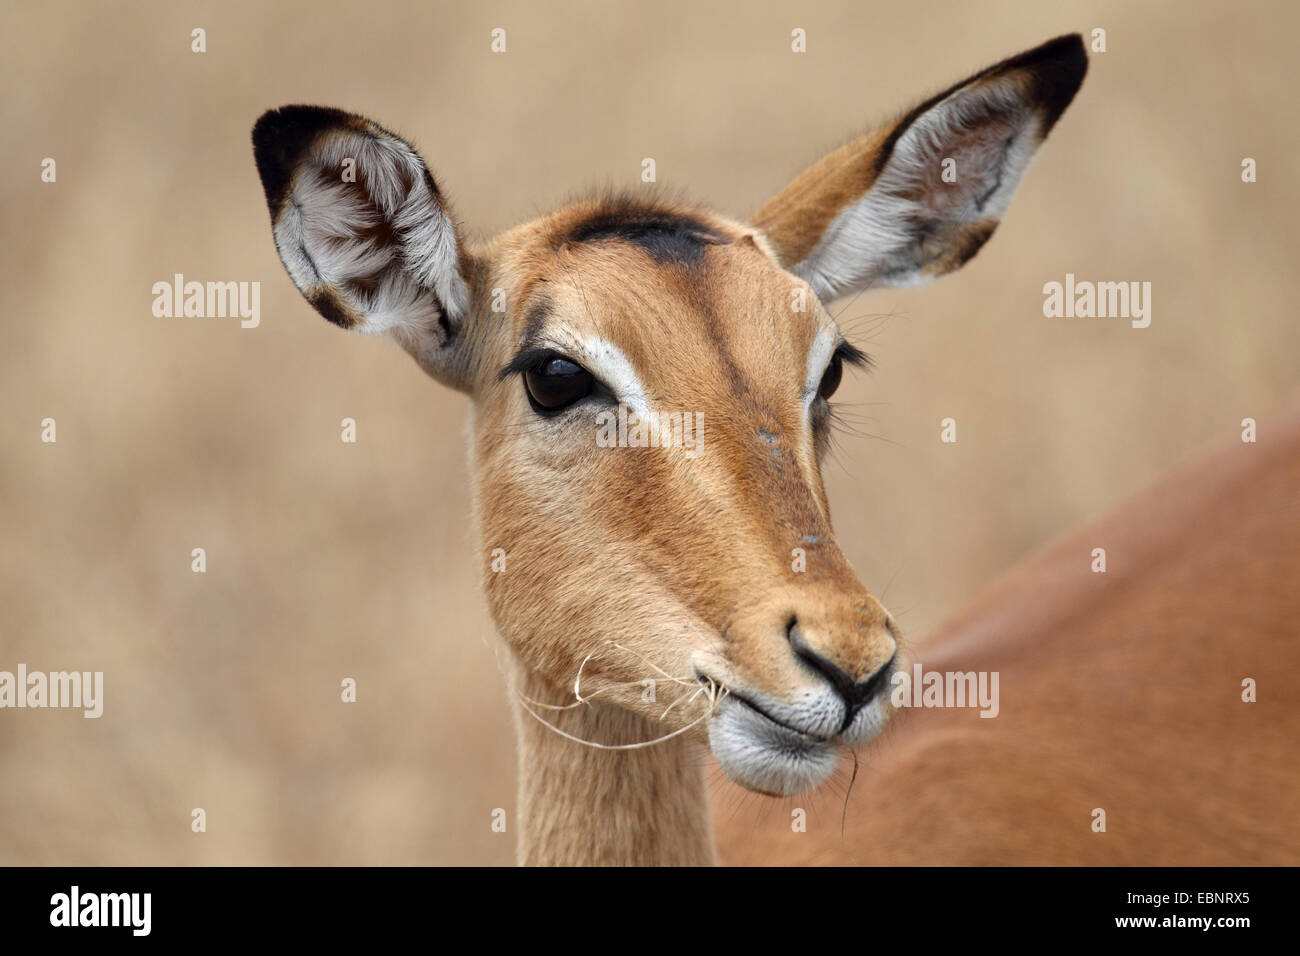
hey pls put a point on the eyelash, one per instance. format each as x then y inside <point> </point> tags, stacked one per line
<point>530,359</point>
<point>850,354</point>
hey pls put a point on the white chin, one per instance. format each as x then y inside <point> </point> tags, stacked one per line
<point>764,756</point>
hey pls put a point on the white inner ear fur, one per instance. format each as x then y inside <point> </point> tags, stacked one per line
<point>322,236</point>
<point>991,133</point>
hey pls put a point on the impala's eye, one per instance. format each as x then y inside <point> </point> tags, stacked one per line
<point>831,378</point>
<point>555,383</point>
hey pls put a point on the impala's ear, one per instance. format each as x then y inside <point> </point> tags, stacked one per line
<point>363,232</point>
<point>914,200</point>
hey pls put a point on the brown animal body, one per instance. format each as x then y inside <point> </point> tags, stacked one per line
<point>1119,690</point>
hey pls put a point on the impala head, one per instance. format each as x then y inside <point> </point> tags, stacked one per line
<point>712,561</point>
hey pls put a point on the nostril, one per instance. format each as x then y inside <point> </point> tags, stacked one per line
<point>874,684</point>
<point>856,694</point>
<point>841,679</point>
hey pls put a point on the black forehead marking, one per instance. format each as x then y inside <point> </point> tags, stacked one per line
<point>667,236</point>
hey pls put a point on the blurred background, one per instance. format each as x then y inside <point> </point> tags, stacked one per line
<point>327,560</point>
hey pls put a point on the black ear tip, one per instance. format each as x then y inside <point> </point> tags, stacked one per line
<point>1070,54</point>
<point>1064,56</point>
<point>1066,43</point>
<point>1058,68</point>
<point>289,120</point>
<point>280,136</point>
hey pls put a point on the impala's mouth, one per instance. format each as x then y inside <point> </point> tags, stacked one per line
<point>763,752</point>
<point>810,736</point>
<point>771,754</point>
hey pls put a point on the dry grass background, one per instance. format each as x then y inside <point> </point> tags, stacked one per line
<point>327,560</point>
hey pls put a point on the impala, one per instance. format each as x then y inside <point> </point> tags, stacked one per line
<point>654,602</point>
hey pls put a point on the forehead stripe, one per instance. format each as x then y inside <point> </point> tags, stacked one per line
<point>667,236</point>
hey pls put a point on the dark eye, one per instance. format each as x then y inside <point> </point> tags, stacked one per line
<point>831,380</point>
<point>556,383</point>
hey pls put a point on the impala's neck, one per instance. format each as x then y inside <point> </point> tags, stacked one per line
<point>580,805</point>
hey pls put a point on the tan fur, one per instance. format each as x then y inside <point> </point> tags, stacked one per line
<point>629,565</point>
<point>800,213</point>
<point>646,549</point>
<point>592,807</point>
<point>1120,690</point>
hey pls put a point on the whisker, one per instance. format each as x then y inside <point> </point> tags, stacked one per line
<point>889,582</point>
<point>844,814</point>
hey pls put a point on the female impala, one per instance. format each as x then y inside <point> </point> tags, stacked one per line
<point>717,574</point>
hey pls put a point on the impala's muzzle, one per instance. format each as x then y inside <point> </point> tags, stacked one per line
<point>788,710</point>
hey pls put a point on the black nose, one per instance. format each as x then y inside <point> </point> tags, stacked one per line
<point>856,693</point>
